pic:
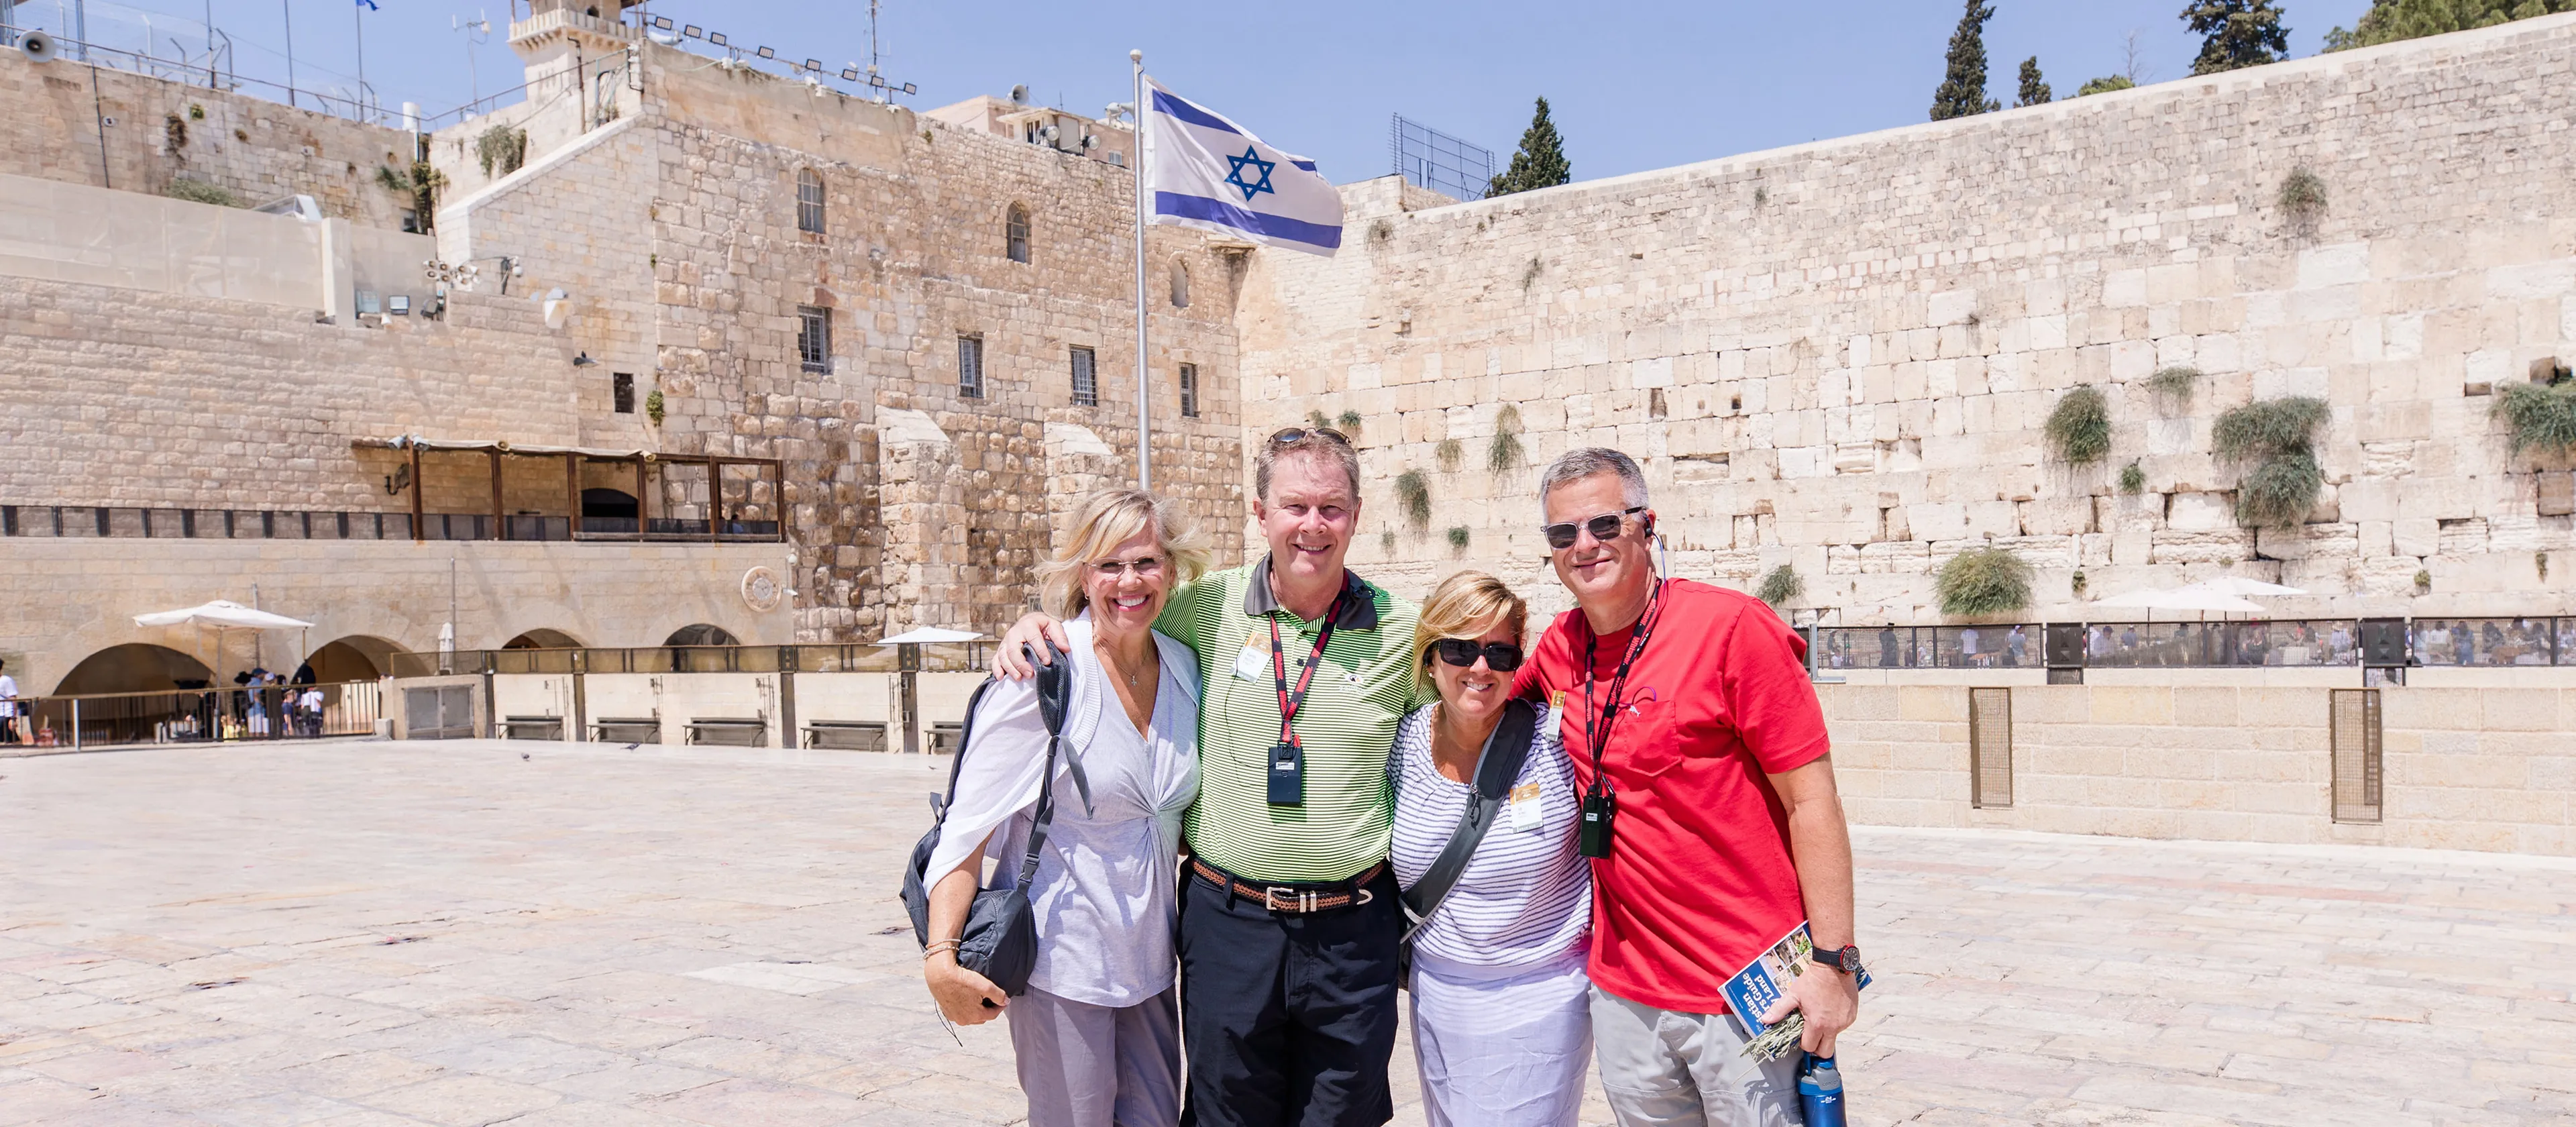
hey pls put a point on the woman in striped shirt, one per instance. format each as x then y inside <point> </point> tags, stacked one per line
<point>1502,1027</point>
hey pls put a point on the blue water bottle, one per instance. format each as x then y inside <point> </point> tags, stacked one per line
<point>1820,1093</point>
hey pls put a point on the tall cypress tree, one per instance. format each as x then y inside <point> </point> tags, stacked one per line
<point>1963,88</point>
<point>1539,162</point>
<point>2236,33</point>
<point>2034,89</point>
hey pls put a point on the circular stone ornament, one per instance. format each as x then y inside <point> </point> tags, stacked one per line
<point>760,589</point>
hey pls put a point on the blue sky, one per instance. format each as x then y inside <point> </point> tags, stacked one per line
<point>1634,85</point>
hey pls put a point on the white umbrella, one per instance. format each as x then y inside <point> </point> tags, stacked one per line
<point>222,615</point>
<point>2239,585</point>
<point>2183,599</point>
<point>932,634</point>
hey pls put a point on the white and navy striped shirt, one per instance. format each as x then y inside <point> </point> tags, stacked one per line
<point>1526,896</point>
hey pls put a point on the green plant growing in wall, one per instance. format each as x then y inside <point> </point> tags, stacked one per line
<point>422,184</point>
<point>1350,421</point>
<point>1529,275</point>
<point>1780,586</point>
<point>1317,420</point>
<point>1413,494</point>
<point>2303,198</point>
<point>653,406</point>
<point>1457,539</point>
<point>501,148</point>
<point>198,191</point>
<point>1983,581</point>
<point>2276,440</point>
<point>1449,453</point>
<point>2539,416</point>
<point>2079,428</point>
<point>1504,454</point>
<point>1386,543</point>
<point>2133,479</point>
<point>2173,386</point>
<point>2423,582</point>
<point>2077,583</point>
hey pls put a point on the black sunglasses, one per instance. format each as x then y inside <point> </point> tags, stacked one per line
<point>1501,657</point>
<point>1604,528</point>
<point>1295,435</point>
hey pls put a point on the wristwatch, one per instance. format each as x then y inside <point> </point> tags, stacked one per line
<point>1846,960</point>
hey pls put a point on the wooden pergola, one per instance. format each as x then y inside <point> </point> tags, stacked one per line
<point>414,447</point>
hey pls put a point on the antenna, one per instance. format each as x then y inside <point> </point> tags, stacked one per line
<point>873,58</point>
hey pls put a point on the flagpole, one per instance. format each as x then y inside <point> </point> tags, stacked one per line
<point>357,17</point>
<point>1144,397</point>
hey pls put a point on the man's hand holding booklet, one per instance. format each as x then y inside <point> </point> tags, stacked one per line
<point>1769,998</point>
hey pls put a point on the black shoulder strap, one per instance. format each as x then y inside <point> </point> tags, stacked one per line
<point>1055,694</point>
<point>1498,766</point>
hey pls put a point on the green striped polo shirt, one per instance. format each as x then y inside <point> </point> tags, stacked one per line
<point>1362,689</point>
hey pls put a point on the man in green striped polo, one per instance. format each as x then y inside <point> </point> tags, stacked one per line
<point>1290,922</point>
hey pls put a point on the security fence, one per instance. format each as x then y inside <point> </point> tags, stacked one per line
<point>2310,643</point>
<point>273,712</point>
<point>84,522</point>
<point>849,658</point>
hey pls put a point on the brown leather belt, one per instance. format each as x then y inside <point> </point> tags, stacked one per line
<point>1292,898</point>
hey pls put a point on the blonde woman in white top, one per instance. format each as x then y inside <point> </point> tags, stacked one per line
<point>1502,1021</point>
<point>1096,1036</point>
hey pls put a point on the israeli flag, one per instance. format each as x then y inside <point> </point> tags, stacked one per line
<point>1206,172</point>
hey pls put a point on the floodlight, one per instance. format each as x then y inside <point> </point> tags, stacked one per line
<point>662,23</point>
<point>766,53</point>
<point>716,37</point>
<point>693,31</point>
<point>815,65</point>
<point>849,74</point>
<point>909,88</point>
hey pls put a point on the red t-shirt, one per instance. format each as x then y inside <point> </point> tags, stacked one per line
<point>1699,879</point>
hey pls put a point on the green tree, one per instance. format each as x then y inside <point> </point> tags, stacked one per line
<point>2106,84</point>
<point>2236,34</point>
<point>1963,86</point>
<point>2388,21</point>
<point>2034,89</point>
<point>1539,162</point>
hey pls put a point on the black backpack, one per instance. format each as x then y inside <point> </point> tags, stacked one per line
<point>1498,766</point>
<point>1001,940</point>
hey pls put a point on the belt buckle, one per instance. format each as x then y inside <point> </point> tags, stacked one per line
<point>1270,900</point>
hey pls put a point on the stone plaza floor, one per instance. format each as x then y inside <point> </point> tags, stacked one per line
<point>361,933</point>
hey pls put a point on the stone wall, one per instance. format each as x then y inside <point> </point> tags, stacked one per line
<point>1838,356</point>
<point>2464,768</point>
<point>257,149</point>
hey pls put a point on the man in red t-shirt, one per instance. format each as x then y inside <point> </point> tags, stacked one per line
<point>1725,829</point>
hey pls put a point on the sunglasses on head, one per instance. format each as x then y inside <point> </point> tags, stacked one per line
<point>1295,435</point>
<point>1604,528</point>
<point>1501,657</point>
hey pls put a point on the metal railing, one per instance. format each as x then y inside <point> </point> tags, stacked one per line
<point>845,658</point>
<point>215,72</point>
<point>276,712</point>
<point>95,521</point>
<point>2294,643</point>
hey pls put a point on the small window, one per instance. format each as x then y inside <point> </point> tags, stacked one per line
<point>1189,391</point>
<point>814,338</point>
<point>621,391</point>
<point>809,201</point>
<point>970,366</point>
<point>1015,233</point>
<point>1086,379</point>
<point>1180,286</point>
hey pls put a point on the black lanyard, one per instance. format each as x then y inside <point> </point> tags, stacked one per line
<point>1599,725</point>
<point>1289,702</point>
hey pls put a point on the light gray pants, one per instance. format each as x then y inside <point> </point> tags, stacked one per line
<point>1661,1068</point>
<point>1093,1066</point>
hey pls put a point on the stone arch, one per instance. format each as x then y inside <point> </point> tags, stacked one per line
<point>702,634</point>
<point>358,657</point>
<point>135,667</point>
<point>542,638</point>
<point>1015,232</point>
<point>1180,283</point>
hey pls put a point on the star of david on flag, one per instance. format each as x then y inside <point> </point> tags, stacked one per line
<point>1204,171</point>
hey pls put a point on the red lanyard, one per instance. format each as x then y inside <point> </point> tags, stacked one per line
<point>1289,703</point>
<point>1598,725</point>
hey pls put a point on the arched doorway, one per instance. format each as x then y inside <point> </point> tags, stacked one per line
<point>702,634</point>
<point>543,639</point>
<point>358,657</point>
<point>135,667</point>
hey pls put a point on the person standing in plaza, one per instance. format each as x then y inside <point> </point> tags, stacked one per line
<point>1096,1035</point>
<point>8,706</point>
<point>1701,747</point>
<point>1502,1023</point>
<point>1289,924</point>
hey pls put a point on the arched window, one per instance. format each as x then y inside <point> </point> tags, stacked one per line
<point>809,201</point>
<point>1015,233</point>
<point>702,634</point>
<point>1180,284</point>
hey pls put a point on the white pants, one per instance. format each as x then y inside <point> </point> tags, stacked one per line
<point>1501,1046</point>
<point>1664,1068</point>
<point>1083,1065</point>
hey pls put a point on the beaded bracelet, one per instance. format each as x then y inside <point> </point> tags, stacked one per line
<point>944,945</point>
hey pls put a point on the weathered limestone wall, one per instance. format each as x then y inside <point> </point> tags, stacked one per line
<point>1839,355</point>
<point>2464,768</point>
<point>257,149</point>
<point>69,598</point>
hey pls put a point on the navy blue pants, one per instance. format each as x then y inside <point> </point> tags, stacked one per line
<point>1288,1020</point>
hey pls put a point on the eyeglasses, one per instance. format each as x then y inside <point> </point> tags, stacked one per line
<point>1501,657</point>
<point>1145,567</point>
<point>1295,435</point>
<point>1604,528</point>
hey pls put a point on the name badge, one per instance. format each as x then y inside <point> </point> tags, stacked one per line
<point>1253,664</point>
<point>1556,701</point>
<point>1526,806</point>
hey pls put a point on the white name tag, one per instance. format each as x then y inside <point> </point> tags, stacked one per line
<point>1526,806</point>
<point>1253,664</point>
